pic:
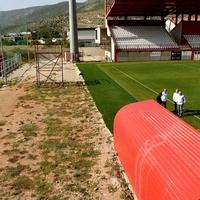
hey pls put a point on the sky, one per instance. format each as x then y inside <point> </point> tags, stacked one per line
<point>17,4</point>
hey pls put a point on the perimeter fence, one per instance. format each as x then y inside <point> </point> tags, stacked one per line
<point>9,65</point>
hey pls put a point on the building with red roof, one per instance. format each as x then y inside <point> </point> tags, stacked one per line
<point>137,29</point>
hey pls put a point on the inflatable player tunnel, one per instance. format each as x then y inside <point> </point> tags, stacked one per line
<point>159,152</point>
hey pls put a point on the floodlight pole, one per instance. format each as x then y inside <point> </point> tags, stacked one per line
<point>74,53</point>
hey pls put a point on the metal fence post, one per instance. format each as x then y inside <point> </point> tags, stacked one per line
<point>3,63</point>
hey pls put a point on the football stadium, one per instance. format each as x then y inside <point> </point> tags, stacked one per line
<point>137,30</point>
<point>158,150</point>
<point>162,58</point>
<point>100,111</point>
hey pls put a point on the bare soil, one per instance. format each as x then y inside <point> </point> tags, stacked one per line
<point>54,145</point>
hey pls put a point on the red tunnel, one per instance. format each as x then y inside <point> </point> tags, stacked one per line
<point>159,152</point>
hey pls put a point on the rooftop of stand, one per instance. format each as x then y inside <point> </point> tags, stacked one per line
<point>153,7</point>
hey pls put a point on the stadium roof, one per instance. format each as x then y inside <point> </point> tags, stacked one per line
<point>153,7</point>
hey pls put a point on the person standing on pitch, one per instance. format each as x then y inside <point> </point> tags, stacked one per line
<point>175,96</point>
<point>164,98</point>
<point>158,98</point>
<point>180,101</point>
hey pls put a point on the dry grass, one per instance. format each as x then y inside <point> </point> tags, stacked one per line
<point>60,153</point>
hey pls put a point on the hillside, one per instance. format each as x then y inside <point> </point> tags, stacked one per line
<point>92,5</point>
<point>16,20</point>
<point>32,14</point>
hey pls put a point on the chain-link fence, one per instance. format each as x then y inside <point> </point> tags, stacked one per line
<point>9,65</point>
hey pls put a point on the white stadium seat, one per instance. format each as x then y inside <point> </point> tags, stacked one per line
<point>193,40</point>
<point>142,37</point>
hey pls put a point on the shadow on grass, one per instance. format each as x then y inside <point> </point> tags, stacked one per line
<point>108,95</point>
<point>97,82</point>
<point>191,112</point>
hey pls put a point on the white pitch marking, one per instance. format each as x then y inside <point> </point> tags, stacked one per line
<point>148,88</point>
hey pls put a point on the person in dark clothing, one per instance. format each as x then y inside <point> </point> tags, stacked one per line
<point>158,98</point>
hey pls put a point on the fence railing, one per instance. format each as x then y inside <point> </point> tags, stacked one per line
<point>9,65</point>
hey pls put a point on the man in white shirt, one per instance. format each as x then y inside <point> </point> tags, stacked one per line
<point>164,98</point>
<point>175,97</point>
<point>180,101</point>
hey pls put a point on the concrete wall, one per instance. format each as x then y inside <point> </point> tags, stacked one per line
<point>197,55</point>
<point>186,55</point>
<point>137,56</point>
<point>112,49</point>
<point>92,53</point>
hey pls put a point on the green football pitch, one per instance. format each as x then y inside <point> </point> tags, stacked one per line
<point>114,85</point>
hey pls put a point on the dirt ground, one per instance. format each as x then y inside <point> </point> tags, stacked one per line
<point>54,145</point>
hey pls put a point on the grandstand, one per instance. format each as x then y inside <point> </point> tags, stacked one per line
<point>142,37</point>
<point>193,40</point>
<point>187,34</point>
<point>137,29</point>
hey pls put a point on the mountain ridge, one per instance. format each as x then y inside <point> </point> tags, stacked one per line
<point>16,20</point>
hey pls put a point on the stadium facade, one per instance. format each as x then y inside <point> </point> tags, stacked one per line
<point>137,29</point>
